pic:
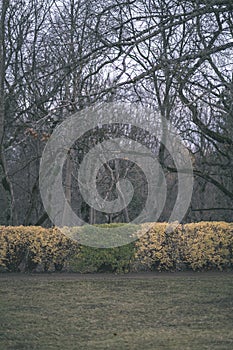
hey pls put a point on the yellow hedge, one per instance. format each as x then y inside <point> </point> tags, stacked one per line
<point>24,248</point>
<point>208,245</point>
<point>198,246</point>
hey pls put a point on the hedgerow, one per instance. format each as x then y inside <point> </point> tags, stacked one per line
<point>196,246</point>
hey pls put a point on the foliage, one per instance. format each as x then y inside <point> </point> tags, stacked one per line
<point>199,246</point>
<point>157,248</point>
<point>89,259</point>
<point>196,246</point>
<point>94,259</point>
<point>24,248</point>
<point>208,245</point>
<point>103,235</point>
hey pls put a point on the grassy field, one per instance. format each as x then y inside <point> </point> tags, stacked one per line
<point>146,311</point>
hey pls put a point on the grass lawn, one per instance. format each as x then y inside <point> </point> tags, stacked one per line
<point>145,311</point>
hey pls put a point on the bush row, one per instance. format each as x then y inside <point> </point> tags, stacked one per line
<point>197,246</point>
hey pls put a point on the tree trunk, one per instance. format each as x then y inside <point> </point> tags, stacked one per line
<point>5,183</point>
<point>67,185</point>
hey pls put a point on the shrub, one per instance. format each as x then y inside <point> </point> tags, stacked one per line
<point>13,248</point>
<point>198,246</point>
<point>158,249</point>
<point>91,259</point>
<point>24,248</point>
<point>104,235</point>
<point>208,245</point>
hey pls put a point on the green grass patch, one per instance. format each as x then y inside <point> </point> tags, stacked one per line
<point>166,311</point>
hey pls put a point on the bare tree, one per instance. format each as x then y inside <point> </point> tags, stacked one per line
<point>57,58</point>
